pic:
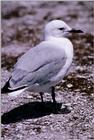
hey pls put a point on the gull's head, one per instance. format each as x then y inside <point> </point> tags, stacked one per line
<point>58,28</point>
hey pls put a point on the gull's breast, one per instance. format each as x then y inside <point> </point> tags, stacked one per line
<point>65,45</point>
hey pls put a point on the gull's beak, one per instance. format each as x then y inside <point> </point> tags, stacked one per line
<point>75,31</point>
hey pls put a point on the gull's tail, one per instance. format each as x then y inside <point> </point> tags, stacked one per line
<point>12,91</point>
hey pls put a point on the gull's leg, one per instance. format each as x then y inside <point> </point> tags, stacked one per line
<point>41,95</point>
<point>53,95</point>
<point>54,100</point>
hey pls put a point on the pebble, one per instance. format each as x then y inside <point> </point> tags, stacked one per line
<point>93,120</point>
<point>69,85</point>
<point>29,97</point>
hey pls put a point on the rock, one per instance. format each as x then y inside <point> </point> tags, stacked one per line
<point>69,85</point>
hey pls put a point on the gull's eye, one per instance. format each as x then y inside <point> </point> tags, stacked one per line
<point>61,29</point>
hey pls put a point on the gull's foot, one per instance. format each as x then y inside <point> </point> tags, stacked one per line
<point>60,108</point>
<point>65,108</point>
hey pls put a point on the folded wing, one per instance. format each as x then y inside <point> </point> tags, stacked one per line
<point>38,65</point>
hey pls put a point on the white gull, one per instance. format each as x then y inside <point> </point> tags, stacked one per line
<point>45,65</point>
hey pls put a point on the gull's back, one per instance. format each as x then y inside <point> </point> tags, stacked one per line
<point>39,55</point>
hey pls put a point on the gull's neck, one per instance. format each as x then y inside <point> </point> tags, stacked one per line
<point>62,43</point>
<point>60,40</point>
<point>49,38</point>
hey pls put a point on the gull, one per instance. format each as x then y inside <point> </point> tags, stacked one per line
<point>42,67</point>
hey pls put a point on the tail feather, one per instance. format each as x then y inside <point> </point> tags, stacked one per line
<point>17,92</point>
<point>7,89</point>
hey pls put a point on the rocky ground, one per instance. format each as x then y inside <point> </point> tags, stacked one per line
<point>24,117</point>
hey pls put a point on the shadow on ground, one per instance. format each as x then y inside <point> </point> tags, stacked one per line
<point>32,110</point>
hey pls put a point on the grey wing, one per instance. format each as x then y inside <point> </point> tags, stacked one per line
<point>41,76</point>
<point>47,63</point>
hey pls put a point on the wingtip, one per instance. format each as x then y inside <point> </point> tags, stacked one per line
<point>5,89</point>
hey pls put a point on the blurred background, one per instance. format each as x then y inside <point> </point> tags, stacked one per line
<point>23,22</point>
<point>21,19</point>
<point>22,26</point>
